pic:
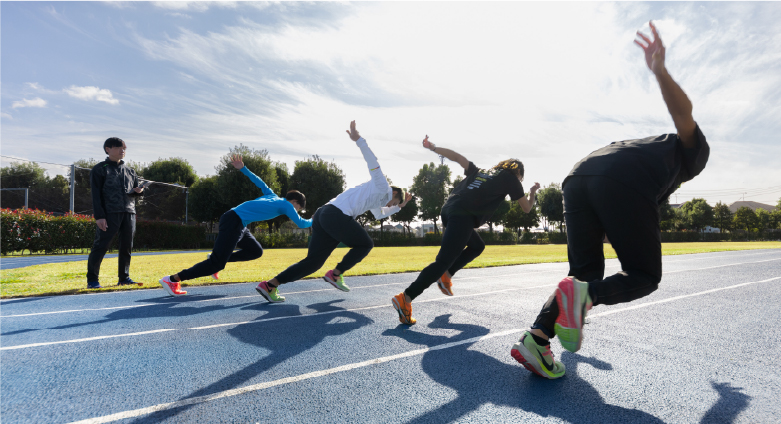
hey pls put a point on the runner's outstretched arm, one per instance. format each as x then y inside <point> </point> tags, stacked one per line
<point>678,103</point>
<point>378,178</point>
<point>455,157</point>
<point>238,163</point>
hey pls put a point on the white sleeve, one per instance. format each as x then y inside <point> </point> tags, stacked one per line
<point>384,212</point>
<point>378,178</point>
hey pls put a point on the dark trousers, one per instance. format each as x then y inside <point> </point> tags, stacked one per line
<point>460,245</point>
<point>596,206</point>
<point>124,224</point>
<point>329,227</point>
<point>232,234</point>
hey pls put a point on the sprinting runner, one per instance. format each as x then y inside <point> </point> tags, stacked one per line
<point>616,191</point>
<point>234,233</point>
<point>335,222</point>
<point>469,205</point>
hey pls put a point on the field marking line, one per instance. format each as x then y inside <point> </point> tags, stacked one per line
<point>88,339</point>
<point>316,374</point>
<point>287,380</point>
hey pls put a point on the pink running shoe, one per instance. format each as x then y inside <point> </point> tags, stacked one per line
<point>574,302</point>
<point>172,288</point>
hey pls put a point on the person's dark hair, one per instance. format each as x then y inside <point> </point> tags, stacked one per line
<point>297,196</point>
<point>112,142</point>
<point>513,165</point>
<point>397,191</point>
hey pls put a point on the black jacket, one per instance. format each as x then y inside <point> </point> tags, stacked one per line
<point>112,186</point>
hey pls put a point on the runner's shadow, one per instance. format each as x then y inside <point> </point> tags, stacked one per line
<point>480,379</point>
<point>303,333</point>
<point>730,404</point>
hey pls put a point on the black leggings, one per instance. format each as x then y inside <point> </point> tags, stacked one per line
<point>595,206</point>
<point>460,245</point>
<point>124,224</point>
<point>232,234</point>
<point>330,226</point>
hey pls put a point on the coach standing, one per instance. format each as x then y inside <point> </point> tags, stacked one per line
<point>114,188</point>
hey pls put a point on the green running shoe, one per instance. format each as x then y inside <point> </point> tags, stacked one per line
<point>574,302</point>
<point>269,293</point>
<point>535,358</point>
<point>336,281</point>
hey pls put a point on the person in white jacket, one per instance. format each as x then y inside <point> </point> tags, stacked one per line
<point>335,222</point>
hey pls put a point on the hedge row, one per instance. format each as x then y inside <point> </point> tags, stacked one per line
<point>38,231</point>
<point>738,235</point>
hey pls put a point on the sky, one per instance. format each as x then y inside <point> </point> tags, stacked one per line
<point>546,83</point>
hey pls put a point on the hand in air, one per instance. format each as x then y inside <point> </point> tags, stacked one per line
<point>654,50</point>
<point>407,198</point>
<point>427,144</point>
<point>534,188</point>
<point>236,161</point>
<point>353,133</point>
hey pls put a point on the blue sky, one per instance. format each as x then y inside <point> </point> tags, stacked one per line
<point>544,82</point>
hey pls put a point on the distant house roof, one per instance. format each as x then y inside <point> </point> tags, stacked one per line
<point>753,205</point>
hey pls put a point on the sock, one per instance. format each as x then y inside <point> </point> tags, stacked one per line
<point>171,277</point>
<point>540,341</point>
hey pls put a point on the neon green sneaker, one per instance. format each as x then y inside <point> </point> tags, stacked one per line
<point>535,358</point>
<point>574,302</point>
<point>269,293</point>
<point>336,281</point>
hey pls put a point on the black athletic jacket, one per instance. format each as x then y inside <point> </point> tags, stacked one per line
<point>112,188</point>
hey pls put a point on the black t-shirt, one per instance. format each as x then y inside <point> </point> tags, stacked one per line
<point>481,193</point>
<point>654,166</point>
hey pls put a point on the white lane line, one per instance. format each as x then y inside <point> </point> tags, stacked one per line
<point>288,380</point>
<point>88,339</point>
<point>720,266</point>
<point>261,386</point>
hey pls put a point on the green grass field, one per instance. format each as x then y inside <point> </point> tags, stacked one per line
<point>69,277</point>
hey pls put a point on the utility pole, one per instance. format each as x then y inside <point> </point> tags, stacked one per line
<point>73,187</point>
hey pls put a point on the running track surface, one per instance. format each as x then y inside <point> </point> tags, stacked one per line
<point>11,262</point>
<point>703,348</point>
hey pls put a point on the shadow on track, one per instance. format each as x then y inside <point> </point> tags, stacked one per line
<point>731,402</point>
<point>309,332</point>
<point>482,379</point>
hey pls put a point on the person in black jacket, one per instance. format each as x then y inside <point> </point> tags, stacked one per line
<point>114,189</point>
<point>615,192</point>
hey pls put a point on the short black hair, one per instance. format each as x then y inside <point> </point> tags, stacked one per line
<point>297,196</point>
<point>400,192</point>
<point>113,142</point>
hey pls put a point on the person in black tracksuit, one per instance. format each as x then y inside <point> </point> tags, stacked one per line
<point>114,189</point>
<point>471,203</point>
<point>615,192</point>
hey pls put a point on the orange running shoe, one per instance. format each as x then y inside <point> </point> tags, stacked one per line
<point>403,308</point>
<point>172,288</point>
<point>445,284</point>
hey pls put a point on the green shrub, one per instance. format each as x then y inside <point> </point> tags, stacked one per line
<point>506,237</point>
<point>282,240</point>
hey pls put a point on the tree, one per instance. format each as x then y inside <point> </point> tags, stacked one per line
<point>764,219</point>
<point>722,217</point>
<point>666,216</point>
<point>778,205</point>
<point>431,187</point>
<point>283,179</point>
<point>320,181</point>
<point>775,219</point>
<point>699,213</point>
<point>162,201</point>
<point>551,201</point>
<point>23,175</point>
<point>234,187</point>
<point>407,214</point>
<point>499,214</point>
<point>745,219</point>
<point>170,170</point>
<point>205,201</point>
<point>516,218</point>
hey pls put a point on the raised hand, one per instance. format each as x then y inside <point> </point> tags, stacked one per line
<point>429,145</point>
<point>236,161</point>
<point>654,50</point>
<point>534,188</point>
<point>353,133</point>
<point>407,198</point>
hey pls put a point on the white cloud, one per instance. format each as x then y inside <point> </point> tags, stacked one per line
<point>36,102</point>
<point>6,115</point>
<point>195,6</point>
<point>91,93</point>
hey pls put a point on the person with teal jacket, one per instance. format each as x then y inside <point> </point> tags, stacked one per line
<point>233,231</point>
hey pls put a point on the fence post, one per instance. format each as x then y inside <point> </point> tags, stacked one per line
<point>186,201</point>
<point>73,187</point>
<point>26,196</point>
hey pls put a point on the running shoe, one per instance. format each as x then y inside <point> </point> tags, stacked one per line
<point>94,285</point>
<point>574,302</point>
<point>445,284</point>
<point>336,281</point>
<point>269,293</point>
<point>403,308</point>
<point>535,358</point>
<point>128,282</point>
<point>216,275</point>
<point>171,287</point>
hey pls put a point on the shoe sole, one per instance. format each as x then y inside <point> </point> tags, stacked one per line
<point>266,296</point>
<point>215,276</point>
<point>519,352</point>
<point>333,283</point>
<point>570,332</point>
<point>130,284</point>
<point>168,289</point>
<point>444,289</point>
<point>402,317</point>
